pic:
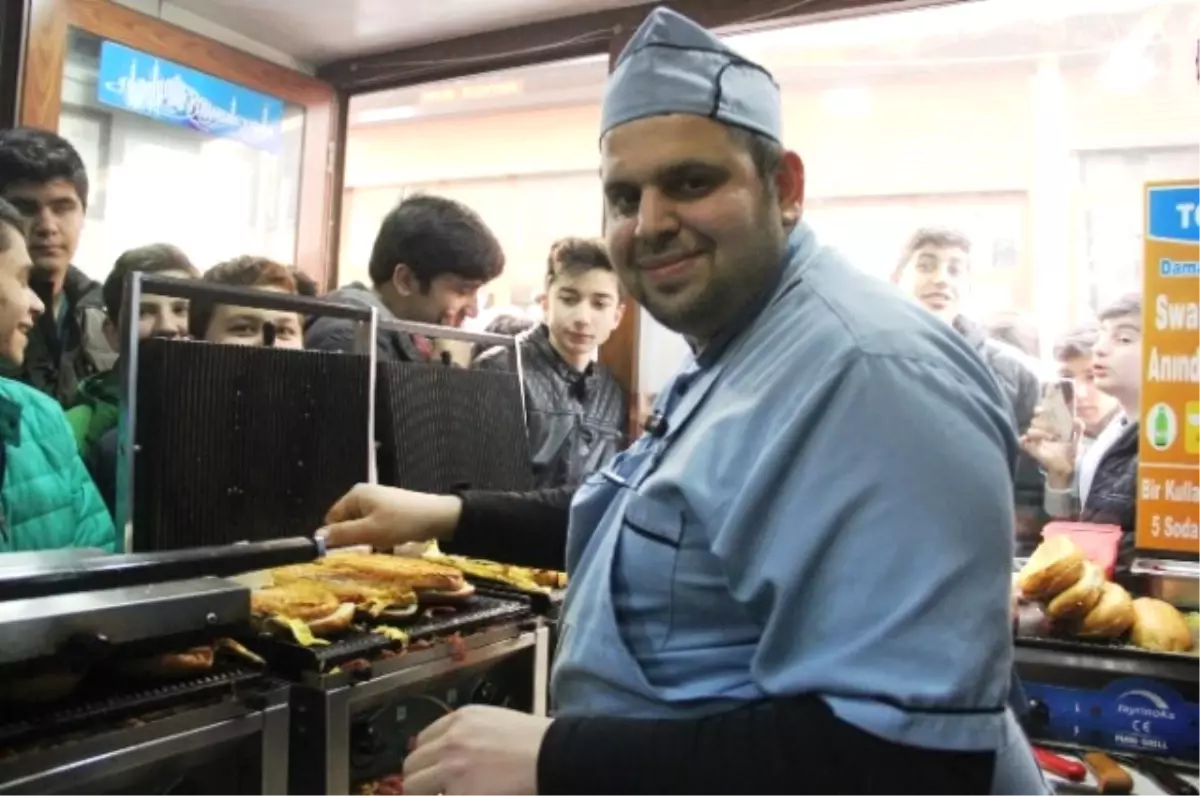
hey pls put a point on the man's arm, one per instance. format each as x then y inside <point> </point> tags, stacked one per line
<point>523,528</point>
<point>872,541</point>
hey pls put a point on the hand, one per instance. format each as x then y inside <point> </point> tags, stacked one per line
<point>477,749</point>
<point>1055,454</point>
<point>385,517</point>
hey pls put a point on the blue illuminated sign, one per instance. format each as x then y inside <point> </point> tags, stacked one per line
<point>167,92</point>
<point>1173,213</point>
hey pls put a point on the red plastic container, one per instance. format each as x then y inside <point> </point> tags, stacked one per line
<point>1098,542</point>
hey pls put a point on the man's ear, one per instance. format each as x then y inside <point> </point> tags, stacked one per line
<point>112,333</point>
<point>405,281</point>
<point>789,186</point>
<point>621,305</point>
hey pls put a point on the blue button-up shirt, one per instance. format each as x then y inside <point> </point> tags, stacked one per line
<point>828,510</point>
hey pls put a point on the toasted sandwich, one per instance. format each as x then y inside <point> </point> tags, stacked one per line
<point>306,602</point>
<point>370,596</point>
<point>432,582</point>
<point>169,665</point>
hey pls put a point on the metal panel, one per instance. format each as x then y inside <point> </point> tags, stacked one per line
<point>41,626</point>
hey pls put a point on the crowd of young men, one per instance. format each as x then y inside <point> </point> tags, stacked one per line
<point>430,259</point>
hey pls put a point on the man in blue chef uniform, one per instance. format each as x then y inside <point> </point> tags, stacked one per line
<point>797,580</point>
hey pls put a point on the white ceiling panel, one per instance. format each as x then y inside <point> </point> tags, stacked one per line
<point>319,31</point>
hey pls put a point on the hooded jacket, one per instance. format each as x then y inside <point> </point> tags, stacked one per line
<point>576,420</point>
<point>96,409</point>
<point>47,501</point>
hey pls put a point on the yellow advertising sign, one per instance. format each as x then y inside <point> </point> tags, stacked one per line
<point>1168,507</point>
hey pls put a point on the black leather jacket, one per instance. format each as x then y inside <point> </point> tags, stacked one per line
<point>576,420</point>
<point>1112,499</point>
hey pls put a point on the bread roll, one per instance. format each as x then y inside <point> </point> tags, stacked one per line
<point>1159,626</point>
<point>1055,565</point>
<point>1111,617</point>
<point>1080,597</point>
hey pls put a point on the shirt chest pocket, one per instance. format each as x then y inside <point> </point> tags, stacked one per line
<point>652,531</point>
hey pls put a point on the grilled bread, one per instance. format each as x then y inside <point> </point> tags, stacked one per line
<point>1055,565</point>
<point>1158,626</point>
<point>1111,617</point>
<point>524,578</point>
<point>426,578</point>
<point>1080,597</point>
<point>374,597</point>
<point>307,601</point>
<point>170,665</point>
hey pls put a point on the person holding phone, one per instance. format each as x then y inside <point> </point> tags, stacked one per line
<point>1096,481</point>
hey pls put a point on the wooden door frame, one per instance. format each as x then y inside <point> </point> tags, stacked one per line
<point>41,99</point>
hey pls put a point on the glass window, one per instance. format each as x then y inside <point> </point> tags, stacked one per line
<point>519,147</point>
<point>213,196</point>
<point>1030,125</point>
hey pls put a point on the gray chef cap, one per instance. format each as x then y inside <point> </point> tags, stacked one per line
<point>672,65</point>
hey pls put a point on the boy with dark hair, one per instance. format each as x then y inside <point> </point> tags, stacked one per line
<point>43,176</point>
<point>934,269</point>
<point>575,411</point>
<point>1100,485</point>
<point>96,405</point>
<point>224,323</point>
<point>430,259</point>
<point>47,500</point>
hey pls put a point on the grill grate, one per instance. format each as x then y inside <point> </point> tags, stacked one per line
<point>482,610</point>
<point>445,428</point>
<point>227,449</point>
<point>1117,649</point>
<point>87,710</point>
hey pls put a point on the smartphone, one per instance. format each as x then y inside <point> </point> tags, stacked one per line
<point>1058,407</point>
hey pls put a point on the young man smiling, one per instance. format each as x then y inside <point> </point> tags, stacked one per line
<point>775,582</point>
<point>574,407</point>
<point>43,176</point>
<point>47,500</point>
<point>431,257</point>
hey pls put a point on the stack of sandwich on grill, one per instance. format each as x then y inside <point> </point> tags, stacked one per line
<point>322,599</point>
<point>1079,601</point>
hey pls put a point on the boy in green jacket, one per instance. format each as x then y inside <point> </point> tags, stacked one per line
<point>97,403</point>
<point>47,500</point>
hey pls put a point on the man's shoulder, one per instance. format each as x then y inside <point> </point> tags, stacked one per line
<point>41,417</point>
<point>33,401</point>
<point>842,311</point>
<point>85,293</point>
